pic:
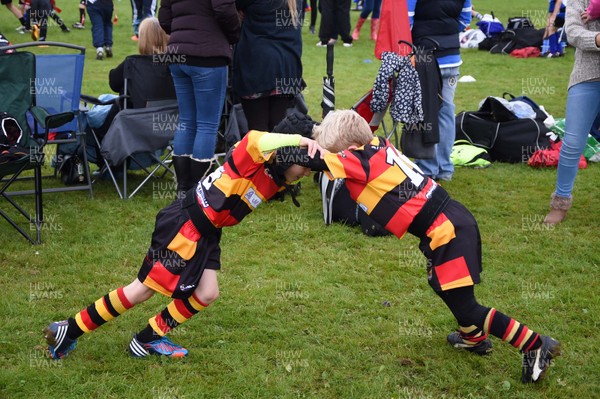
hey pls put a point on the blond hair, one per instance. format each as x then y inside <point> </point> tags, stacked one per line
<point>293,8</point>
<point>153,39</point>
<point>341,129</point>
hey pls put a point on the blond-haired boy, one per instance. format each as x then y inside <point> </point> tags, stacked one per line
<point>396,194</point>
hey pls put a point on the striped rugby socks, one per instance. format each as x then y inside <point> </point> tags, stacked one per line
<point>104,309</point>
<point>511,331</point>
<point>177,312</point>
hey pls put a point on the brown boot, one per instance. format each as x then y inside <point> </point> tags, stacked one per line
<point>356,30</point>
<point>374,28</point>
<point>558,209</point>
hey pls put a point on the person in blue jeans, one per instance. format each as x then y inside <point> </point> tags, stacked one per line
<point>583,105</point>
<point>437,23</point>
<point>140,10</point>
<point>100,12</point>
<point>199,53</point>
<point>368,6</point>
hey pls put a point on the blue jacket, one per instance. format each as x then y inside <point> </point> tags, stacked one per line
<point>442,21</point>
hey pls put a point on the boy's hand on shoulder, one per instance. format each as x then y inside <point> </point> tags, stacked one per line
<point>312,147</point>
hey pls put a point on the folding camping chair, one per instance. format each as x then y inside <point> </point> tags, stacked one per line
<point>144,126</point>
<point>375,119</point>
<point>57,85</point>
<point>17,97</point>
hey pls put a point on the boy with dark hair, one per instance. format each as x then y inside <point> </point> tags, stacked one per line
<point>184,254</point>
<point>395,193</point>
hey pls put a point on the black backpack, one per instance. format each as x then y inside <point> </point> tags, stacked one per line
<point>519,22</point>
<point>11,136</point>
<point>514,39</point>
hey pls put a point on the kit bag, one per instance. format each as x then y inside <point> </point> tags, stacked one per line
<point>506,137</point>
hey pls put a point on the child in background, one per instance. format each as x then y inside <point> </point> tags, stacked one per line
<point>81,23</point>
<point>556,20</point>
<point>395,193</point>
<point>101,15</point>
<point>184,254</point>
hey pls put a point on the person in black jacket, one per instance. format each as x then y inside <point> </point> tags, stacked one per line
<point>267,65</point>
<point>199,52</point>
<point>435,24</point>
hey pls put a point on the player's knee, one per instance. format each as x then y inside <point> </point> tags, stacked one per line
<point>209,295</point>
<point>137,292</point>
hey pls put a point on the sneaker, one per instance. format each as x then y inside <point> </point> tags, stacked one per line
<point>443,177</point>
<point>109,52</point>
<point>162,347</point>
<point>347,44</point>
<point>311,29</point>
<point>331,41</point>
<point>536,362</point>
<point>59,345</point>
<point>99,54</point>
<point>482,348</point>
<point>135,38</point>
<point>21,30</point>
<point>78,25</point>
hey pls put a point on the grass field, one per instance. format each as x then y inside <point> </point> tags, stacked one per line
<point>308,311</point>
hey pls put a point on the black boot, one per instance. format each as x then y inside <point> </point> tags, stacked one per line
<point>198,169</point>
<point>182,166</point>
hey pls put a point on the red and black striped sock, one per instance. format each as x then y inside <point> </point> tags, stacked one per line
<point>511,331</point>
<point>104,309</point>
<point>177,312</point>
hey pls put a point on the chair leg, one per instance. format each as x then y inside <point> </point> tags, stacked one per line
<point>39,206</point>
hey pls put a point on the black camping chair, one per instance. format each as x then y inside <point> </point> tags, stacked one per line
<point>141,125</point>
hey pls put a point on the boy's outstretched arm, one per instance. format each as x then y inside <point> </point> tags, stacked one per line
<point>273,141</point>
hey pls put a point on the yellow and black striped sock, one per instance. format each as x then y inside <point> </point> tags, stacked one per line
<point>177,312</point>
<point>511,331</point>
<point>472,334</point>
<point>104,309</point>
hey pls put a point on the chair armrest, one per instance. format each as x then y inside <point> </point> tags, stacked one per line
<point>96,101</point>
<point>48,121</point>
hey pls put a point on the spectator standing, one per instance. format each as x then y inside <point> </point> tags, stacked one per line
<point>375,7</point>
<point>335,18</point>
<point>201,36</point>
<point>437,23</point>
<point>267,64</point>
<point>141,9</point>
<point>583,105</point>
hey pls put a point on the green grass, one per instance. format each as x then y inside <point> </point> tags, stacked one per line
<point>303,312</point>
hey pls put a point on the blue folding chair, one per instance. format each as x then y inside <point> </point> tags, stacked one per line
<point>17,97</point>
<point>57,83</point>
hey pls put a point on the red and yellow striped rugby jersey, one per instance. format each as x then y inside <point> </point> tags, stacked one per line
<point>383,182</point>
<point>237,187</point>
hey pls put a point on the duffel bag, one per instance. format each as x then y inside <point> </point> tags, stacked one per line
<point>508,141</point>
